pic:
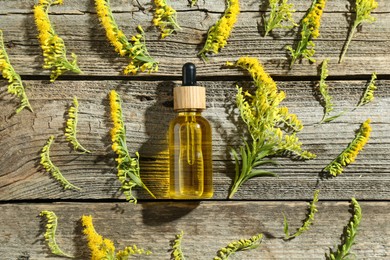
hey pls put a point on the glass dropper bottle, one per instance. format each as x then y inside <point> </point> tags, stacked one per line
<point>190,161</point>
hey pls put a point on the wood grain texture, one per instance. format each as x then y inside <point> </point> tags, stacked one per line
<point>207,227</point>
<point>77,23</point>
<point>25,189</point>
<point>148,109</point>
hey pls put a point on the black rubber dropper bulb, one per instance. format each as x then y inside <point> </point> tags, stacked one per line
<point>189,74</point>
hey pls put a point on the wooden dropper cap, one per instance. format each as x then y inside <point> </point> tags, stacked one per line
<point>189,96</point>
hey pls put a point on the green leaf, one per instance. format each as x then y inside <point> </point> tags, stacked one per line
<point>258,173</point>
<point>237,165</point>
<point>285,224</point>
<point>331,118</point>
<point>258,163</point>
<point>244,160</point>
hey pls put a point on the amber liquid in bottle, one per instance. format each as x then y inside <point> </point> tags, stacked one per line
<point>190,160</point>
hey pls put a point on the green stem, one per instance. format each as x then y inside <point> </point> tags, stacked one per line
<point>350,36</point>
<point>293,59</point>
<point>151,194</point>
<point>175,24</point>
<point>234,188</point>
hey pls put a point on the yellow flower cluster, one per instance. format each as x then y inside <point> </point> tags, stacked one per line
<point>54,51</point>
<point>165,18</point>
<point>128,167</point>
<point>219,33</point>
<point>310,29</point>
<point>116,37</point>
<point>140,60</point>
<point>53,170</point>
<point>348,156</point>
<point>363,10</point>
<point>118,130</point>
<point>15,84</point>
<point>71,127</point>
<point>261,111</point>
<point>265,121</point>
<point>101,248</point>
<point>312,21</point>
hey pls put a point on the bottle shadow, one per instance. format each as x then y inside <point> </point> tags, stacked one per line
<point>157,213</point>
<point>154,152</point>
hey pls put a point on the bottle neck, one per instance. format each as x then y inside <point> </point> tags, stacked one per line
<point>192,112</point>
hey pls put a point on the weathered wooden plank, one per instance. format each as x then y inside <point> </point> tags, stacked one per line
<point>83,35</point>
<point>148,109</point>
<point>208,226</point>
<point>120,6</point>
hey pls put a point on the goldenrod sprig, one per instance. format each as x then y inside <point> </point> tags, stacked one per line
<point>348,239</point>
<point>52,169</point>
<point>326,97</point>
<point>363,10</point>
<point>324,90</point>
<point>71,127</point>
<point>177,253</point>
<point>53,47</point>
<point>15,84</point>
<point>308,221</point>
<point>310,30</point>
<point>219,33</point>
<point>127,166</point>
<point>140,59</point>
<point>239,245</point>
<point>50,233</point>
<point>165,18</point>
<point>280,16</point>
<point>368,95</point>
<point>103,248</point>
<point>265,121</point>
<point>350,153</point>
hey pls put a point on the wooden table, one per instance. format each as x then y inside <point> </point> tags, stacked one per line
<point>258,207</point>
